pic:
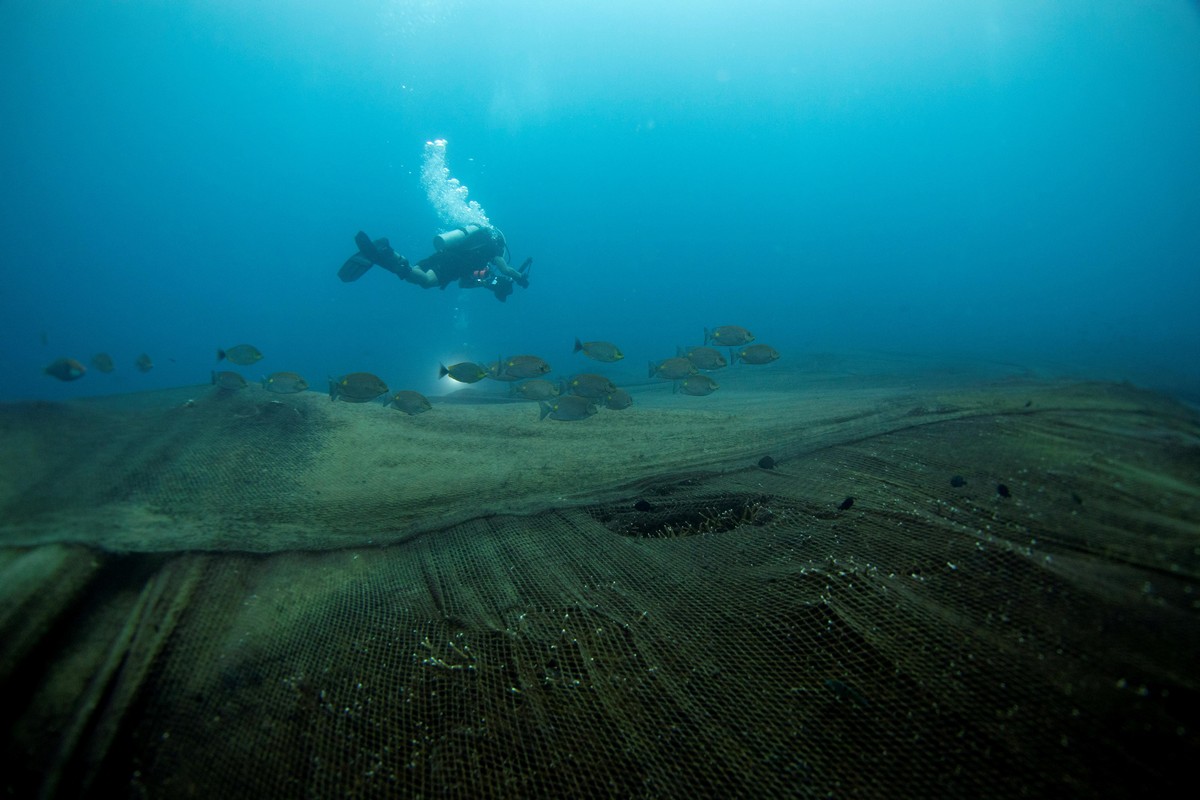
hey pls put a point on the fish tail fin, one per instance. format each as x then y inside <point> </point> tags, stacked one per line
<point>546,408</point>
<point>578,345</point>
<point>220,355</point>
<point>442,371</point>
<point>650,370</point>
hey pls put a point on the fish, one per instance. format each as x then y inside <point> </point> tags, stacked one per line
<point>357,387</point>
<point>103,362</point>
<point>284,383</point>
<point>536,389</point>
<point>618,400</point>
<point>846,504</point>
<point>243,354</point>
<point>1002,490</point>
<point>728,335</point>
<point>698,385</point>
<point>410,402</point>
<point>66,369</point>
<point>495,371</point>
<point>591,386</point>
<point>568,408</point>
<point>143,363</point>
<point>672,369</point>
<point>463,372</point>
<point>756,354</point>
<point>703,357</point>
<point>228,380</point>
<point>523,367</point>
<point>600,351</point>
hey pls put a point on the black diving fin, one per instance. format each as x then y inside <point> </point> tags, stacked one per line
<point>354,268</point>
<point>370,253</point>
<point>369,248</point>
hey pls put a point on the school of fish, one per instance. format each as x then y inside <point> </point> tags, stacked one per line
<point>576,397</point>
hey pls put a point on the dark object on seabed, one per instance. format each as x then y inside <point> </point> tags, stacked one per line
<point>766,462</point>
<point>958,481</point>
<point>642,505</point>
<point>1002,490</point>
<point>846,504</point>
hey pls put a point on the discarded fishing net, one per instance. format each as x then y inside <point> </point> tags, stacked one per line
<point>943,587</point>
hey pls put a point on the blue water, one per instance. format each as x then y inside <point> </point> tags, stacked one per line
<point>996,181</point>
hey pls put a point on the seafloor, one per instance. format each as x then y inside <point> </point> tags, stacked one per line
<point>951,581</point>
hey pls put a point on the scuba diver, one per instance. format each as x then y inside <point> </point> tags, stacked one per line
<point>472,255</point>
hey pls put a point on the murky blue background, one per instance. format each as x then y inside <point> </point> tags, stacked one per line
<point>996,181</point>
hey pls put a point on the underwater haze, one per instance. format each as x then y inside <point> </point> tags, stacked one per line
<point>970,182</point>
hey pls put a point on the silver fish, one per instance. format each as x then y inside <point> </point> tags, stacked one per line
<point>703,357</point>
<point>523,367</point>
<point>672,368</point>
<point>618,400</point>
<point>756,354</point>
<point>284,383</point>
<point>228,380</point>
<point>463,372</point>
<point>357,387</point>
<point>600,351</point>
<point>536,389</point>
<point>410,402</point>
<point>698,385</point>
<point>568,408</point>
<point>243,354</point>
<point>591,385</point>
<point>728,335</point>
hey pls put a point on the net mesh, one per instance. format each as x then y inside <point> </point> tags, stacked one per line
<point>625,606</point>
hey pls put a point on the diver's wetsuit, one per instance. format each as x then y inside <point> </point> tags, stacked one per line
<point>461,263</point>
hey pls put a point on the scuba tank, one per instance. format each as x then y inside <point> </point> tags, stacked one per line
<point>468,237</point>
